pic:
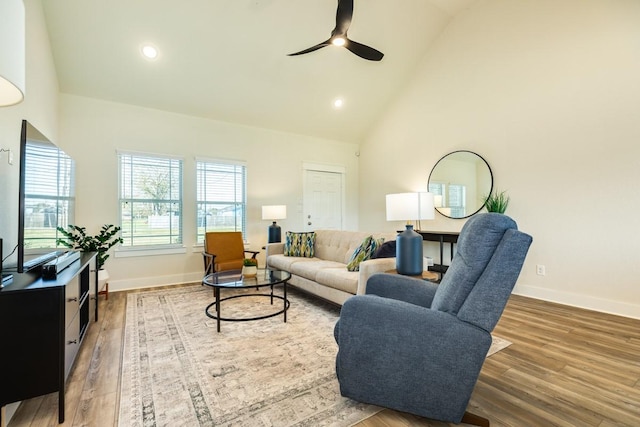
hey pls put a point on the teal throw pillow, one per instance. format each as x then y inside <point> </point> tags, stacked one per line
<point>363,252</point>
<point>299,244</point>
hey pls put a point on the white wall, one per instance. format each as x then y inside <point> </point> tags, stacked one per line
<point>40,107</point>
<point>91,131</point>
<point>548,92</point>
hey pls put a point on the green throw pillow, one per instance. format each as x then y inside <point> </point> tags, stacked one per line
<point>299,244</point>
<point>363,252</point>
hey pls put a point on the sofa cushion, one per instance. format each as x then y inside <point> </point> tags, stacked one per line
<point>339,278</point>
<point>300,244</point>
<point>363,252</point>
<point>309,267</point>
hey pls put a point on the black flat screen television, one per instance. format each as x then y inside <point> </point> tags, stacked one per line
<point>46,198</point>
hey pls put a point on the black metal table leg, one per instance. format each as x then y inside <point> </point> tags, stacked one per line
<point>217,292</point>
<point>284,286</point>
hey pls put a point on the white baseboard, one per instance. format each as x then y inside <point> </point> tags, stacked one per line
<point>151,282</point>
<point>582,301</point>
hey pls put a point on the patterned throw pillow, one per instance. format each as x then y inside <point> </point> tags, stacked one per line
<point>299,244</point>
<point>363,252</point>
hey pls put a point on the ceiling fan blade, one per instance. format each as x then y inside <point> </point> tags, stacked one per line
<point>343,18</point>
<point>363,51</point>
<point>344,14</point>
<point>312,48</point>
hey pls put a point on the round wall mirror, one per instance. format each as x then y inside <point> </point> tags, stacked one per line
<point>461,183</point>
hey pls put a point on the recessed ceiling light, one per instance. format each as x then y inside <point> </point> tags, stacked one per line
<point>149,51</point>
<point>338,103</point>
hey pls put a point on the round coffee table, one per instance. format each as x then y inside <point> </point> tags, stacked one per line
<point>234,279</point>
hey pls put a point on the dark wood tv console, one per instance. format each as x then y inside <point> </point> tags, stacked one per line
<point>42,325</point>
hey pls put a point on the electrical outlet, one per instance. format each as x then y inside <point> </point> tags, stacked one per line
<point>10,157</point>
<point>540,270</point>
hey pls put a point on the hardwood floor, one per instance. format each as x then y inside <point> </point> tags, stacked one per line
<point>566,367</point>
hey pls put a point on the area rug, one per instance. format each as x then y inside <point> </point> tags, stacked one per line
<point>178,371</point>
<point>497,344</point>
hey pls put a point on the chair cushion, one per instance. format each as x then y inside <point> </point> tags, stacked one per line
<point>478,240</point>
<point>299,244</point>
<point>363,252</point>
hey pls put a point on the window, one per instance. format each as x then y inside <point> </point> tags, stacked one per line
<point>49,194</point>
<point>450,198</point>
<point>221,197</point>
<point>457,199</point>
<point>150,200</point>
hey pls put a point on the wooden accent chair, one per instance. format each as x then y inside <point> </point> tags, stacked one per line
<point>223,251</point>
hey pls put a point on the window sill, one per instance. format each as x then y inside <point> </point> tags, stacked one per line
<point>149,251</point>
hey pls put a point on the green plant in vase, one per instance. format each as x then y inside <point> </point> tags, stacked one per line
<point>248,262</point>
<point>250,267</point>
<point>497,202</point>
<point>77,238</point>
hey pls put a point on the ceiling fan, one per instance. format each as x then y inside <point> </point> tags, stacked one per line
<point>339,35</point>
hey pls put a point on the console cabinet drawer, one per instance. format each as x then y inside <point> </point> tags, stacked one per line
<point>72,343</point>
<point>72,300</point>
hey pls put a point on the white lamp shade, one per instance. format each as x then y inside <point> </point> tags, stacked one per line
<point>273,212</point>
<point>426,206</point>
<point>402,206</point>
<point>410,206</point>
<point>12,52</point>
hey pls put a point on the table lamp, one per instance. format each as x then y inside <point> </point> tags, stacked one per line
<point>273,213</point>
<point>408,207</point>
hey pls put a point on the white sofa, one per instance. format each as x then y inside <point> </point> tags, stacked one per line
<point>326,274</point>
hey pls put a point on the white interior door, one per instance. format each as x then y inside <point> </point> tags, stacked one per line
<point>323,195</point>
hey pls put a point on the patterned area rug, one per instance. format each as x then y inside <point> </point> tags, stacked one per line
<point>497,344</point>
<point>178,371</point>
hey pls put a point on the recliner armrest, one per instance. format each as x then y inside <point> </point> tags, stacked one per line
<point>403,288</point>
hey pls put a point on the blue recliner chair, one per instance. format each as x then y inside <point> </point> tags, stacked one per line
<point>418,347</point>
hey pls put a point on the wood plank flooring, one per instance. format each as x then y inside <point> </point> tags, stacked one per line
<point>566,367</point>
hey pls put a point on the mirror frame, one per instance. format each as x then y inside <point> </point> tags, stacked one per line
<point>485,197</point>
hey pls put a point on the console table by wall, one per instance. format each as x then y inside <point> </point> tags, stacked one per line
<point>442,237</point>
<point>42,325</point>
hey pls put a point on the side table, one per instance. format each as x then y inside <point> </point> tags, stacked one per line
<point>426,275</point>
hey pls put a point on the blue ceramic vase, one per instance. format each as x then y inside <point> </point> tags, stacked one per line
<point>409,259</point>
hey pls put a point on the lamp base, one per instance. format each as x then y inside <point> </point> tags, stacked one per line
<point>275,235</point>
<point>409,259</point>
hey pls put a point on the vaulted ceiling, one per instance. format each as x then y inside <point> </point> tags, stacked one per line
<point>227,59</point>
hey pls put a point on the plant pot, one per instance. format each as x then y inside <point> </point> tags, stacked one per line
<point>249,271</point>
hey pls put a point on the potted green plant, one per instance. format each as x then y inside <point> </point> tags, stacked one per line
<point>250,267</point>
<point>77,238</point>
<point>497,202</point>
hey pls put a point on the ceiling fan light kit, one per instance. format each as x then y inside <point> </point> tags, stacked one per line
<point>339,36</point>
